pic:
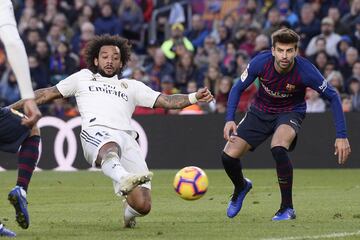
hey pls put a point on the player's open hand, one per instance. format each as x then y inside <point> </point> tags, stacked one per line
<point>230,131</point>
<point>342,149</point>
<point>32,113</point>
<point>204,95</point>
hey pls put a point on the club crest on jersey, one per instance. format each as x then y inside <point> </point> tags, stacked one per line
<point>124,85</point>
<point>290,87</point>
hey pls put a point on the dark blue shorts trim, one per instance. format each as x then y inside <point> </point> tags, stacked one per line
<point>257,126</point>
<point>12,133</point>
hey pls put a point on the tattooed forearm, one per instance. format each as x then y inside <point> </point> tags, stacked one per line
<point>175,101</point>
<point>42,96</point>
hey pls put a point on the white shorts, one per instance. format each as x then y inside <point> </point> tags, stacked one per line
<point>7,13</point>
<point>93,138</point>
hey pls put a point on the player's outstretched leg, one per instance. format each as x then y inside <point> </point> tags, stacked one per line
<point>4,232</point>
<point>284,214</point>
<point>237,199</point>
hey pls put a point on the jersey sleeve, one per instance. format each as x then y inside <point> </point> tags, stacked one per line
<point>145,96</point>
<point>247,77</point>
<point>68,86</point>
<point>316,81</point>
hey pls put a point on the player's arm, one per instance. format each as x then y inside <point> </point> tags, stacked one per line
<point>319,84</point>
<point>43,95</point>
<point>245,80</point>
<point>178,101</point>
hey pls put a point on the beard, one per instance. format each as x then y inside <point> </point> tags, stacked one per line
<point>104,74</point>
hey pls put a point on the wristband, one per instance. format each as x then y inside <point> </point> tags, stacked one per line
<point>192,98</point>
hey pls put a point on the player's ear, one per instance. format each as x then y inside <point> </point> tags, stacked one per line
<point>272,51</point>
<point>96,62</point>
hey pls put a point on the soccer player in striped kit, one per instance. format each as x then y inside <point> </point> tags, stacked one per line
<point>17,129</point>
<point>278,110</point>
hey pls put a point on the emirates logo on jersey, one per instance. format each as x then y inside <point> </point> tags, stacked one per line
<point>290,87</point>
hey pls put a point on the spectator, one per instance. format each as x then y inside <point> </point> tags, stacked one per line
<point>261,43</point>
<point>332,39</point>
<point>54,37</point>
<point>61,21</point>
<point>62,63</point>
<point>356,34</point>
<point>248,45</point>
<point>309,26</point>
<point>158,69</point>
<point>339,27</point>
<point>222,96</point>
<point>133,63</point>
<point>355,74</point>
<point>354,90</point>
<point>212,79</point>
<point>201,58</point>
<point>38,73</point>
<point>285,12</point>
<point>314,104</point>
<point>336,80</point>
<point>107,22</point>
<point>272,22</point>
<point>177,44</point>
<point>343,45</point>
<point>80,41</point>
<point>186,71</point>
<point>352,55</point>
<point>9,89</point>
<point>349,19</point>
<point>346,103</point>
<point>198,32</point>
<point>131,19</point>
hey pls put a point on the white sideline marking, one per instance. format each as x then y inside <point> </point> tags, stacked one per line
<point>331,235</point>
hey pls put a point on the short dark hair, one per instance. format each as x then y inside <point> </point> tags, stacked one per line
<point>93,48</point>
<point>285,35</point>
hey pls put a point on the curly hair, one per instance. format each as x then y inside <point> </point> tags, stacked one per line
<point>93,48</point>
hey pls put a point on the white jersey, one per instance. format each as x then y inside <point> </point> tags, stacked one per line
<point>106,101</point>
<point>7,13</point>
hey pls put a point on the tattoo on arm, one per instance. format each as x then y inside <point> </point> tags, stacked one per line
<point>175,101</point>
<point>42,96</point>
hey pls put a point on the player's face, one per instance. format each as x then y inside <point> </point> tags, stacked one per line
<point>108,61</point>
<point>284,54</point>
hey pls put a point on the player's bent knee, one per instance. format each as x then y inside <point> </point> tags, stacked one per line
<point>140,200</point>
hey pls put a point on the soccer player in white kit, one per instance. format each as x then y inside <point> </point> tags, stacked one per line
<point>106,104</point>
<point>15,127</point>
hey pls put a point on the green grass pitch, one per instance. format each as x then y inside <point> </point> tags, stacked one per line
<point>81,205</point>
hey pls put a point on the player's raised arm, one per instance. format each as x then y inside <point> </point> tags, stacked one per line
<point>42,96</point>
<point>177,101</point>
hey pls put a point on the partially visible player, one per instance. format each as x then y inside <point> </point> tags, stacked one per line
<point>106,104</point>
<point>278,110</point>
<point>17,129</point>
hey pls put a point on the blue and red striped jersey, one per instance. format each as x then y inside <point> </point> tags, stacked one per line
<point>279,93</point>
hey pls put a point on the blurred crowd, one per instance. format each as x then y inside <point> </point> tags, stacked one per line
<point>208,46</point>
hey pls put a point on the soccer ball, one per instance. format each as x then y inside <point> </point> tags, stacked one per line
<point>191,183</point>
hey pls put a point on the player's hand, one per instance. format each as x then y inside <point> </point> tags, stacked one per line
<point>342,149</point>
<point>230,131</point>
<point>204,95</point>
<point>32,113</point>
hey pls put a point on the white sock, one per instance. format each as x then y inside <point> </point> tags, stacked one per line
<point>112,168</point>
<point>130,213</point>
